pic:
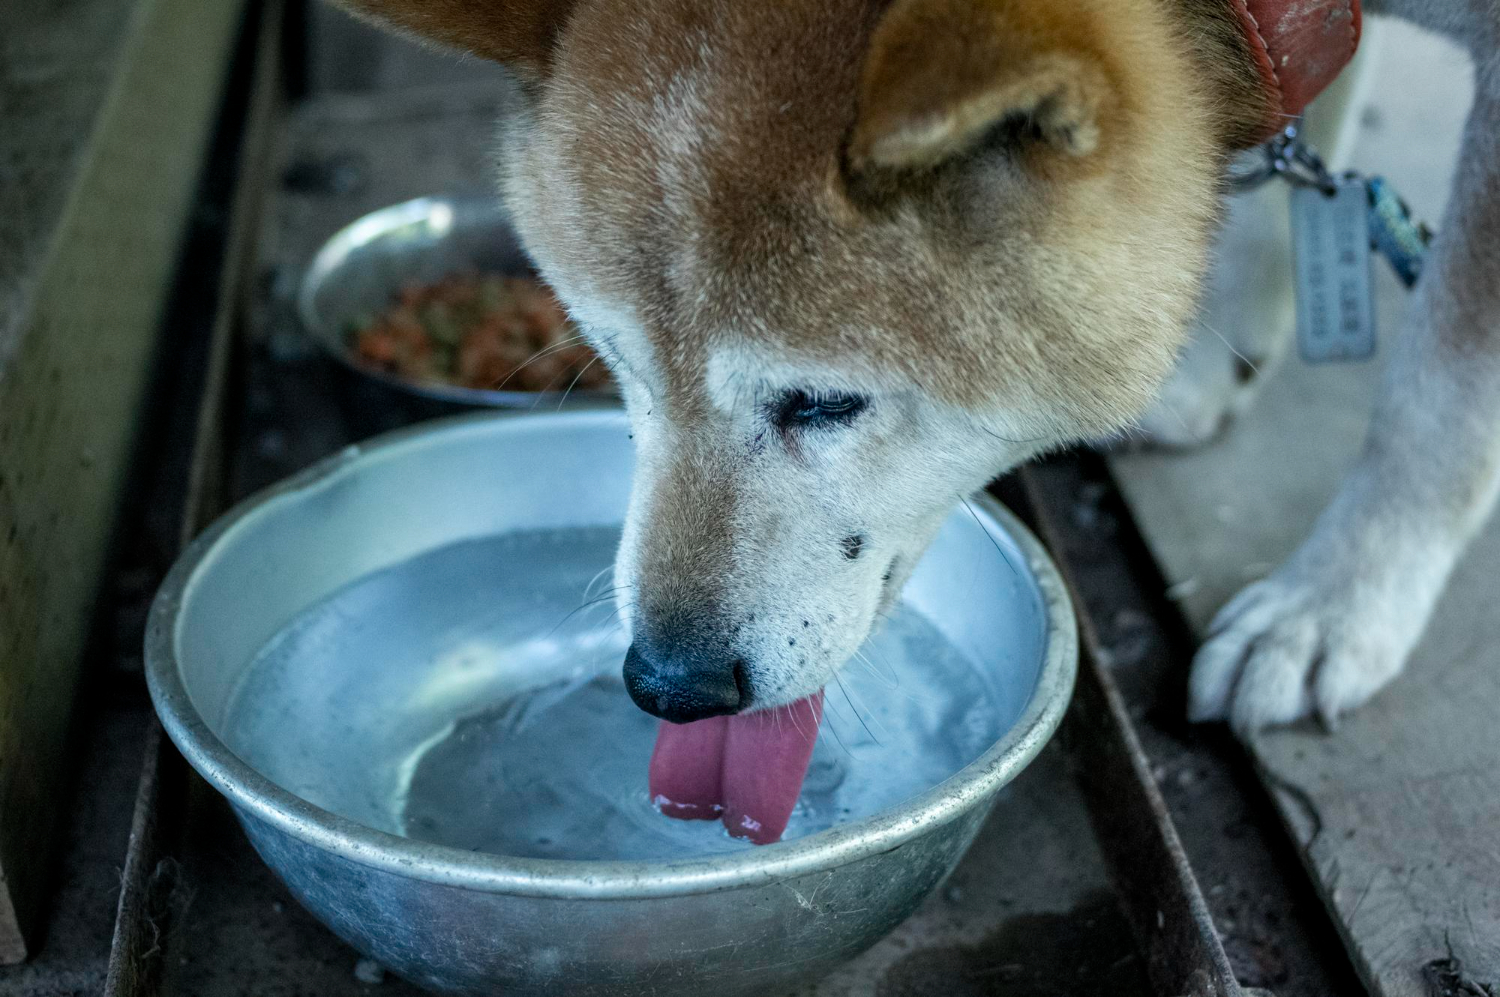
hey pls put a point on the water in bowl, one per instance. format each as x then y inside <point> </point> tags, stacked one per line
<point>471,697</point>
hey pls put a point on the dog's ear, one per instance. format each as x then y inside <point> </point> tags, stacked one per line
<point>941,75</point>
<point>519,33</point>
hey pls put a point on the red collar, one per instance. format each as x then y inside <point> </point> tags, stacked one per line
<point>1299,47</point>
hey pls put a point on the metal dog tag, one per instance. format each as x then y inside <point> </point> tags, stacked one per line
<point>1331,253</point>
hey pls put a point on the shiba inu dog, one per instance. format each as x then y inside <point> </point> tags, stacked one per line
<point>850,259</point>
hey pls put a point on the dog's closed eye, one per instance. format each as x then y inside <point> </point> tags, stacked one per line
<point>805,409</point>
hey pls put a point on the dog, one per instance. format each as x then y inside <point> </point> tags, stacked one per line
<point>849,260</point>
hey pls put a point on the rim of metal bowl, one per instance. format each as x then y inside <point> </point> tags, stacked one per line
<point>331,341</point>
<point>262,799</point>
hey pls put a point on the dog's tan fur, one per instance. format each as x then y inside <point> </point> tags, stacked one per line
<point>990,217</point>
<point>1001,286</point>
<point>520,33</point>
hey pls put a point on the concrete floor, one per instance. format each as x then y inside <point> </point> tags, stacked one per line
<point>1398,811</point>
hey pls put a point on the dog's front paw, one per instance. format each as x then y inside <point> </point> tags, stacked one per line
<point>1301,644</point>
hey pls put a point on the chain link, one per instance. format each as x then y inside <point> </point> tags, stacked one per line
<point>1288,157</point>
<point>1398,237</point>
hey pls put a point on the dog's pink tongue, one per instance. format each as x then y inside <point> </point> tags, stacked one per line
<point>747,769</point>
<point>765,761</point>
<point>685,769</point>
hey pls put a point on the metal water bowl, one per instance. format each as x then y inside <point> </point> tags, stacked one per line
<point>756,921</point>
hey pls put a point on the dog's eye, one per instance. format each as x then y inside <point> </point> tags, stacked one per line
<point>816,408</point>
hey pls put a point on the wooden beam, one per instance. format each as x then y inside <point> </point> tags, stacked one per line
<point>108,115</point>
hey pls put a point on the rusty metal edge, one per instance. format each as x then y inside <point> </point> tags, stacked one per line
<point>147,898</point>
<point>1155,881</point>
<point>139,914</point>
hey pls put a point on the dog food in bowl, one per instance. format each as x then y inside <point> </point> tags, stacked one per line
<point>484,331</point>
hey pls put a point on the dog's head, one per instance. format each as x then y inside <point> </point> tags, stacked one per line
<point>848,259</point>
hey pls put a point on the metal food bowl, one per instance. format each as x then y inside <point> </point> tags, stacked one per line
<point>362,268</point>
<point>752,921</point>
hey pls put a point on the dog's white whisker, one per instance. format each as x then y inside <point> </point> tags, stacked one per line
<point>539,354</point>
<point>998,549</point>
<point>854,709</point>
<point>791,712</point>
<point>582,370</point>
<point>603,599</point>
<point>1232,348</point>
<point>859,658</point>
<point>891,673</point>
<point>831,726</point>
<point>602,573</point>
<point>545,390</point>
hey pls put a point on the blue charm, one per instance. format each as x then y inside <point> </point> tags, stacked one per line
<point>1394,234</point>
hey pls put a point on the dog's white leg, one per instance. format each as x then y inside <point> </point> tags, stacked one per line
<point>1242,333</point>
<point>1336,622</point>
<point>1246,329</point>
<point>1249,309</point>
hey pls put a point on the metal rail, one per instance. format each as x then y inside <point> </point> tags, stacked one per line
<point>1175,807</point>
<point>149,897</point>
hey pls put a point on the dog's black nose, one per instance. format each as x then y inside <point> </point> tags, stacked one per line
<point>682,687</point>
